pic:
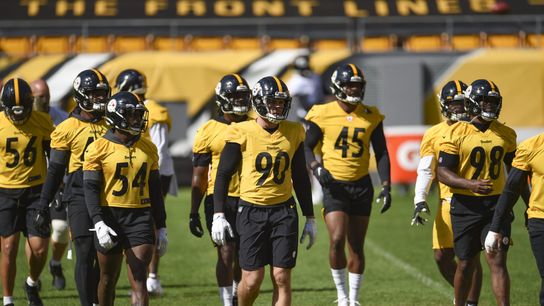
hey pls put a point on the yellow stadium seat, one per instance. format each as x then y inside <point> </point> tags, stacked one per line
<point>378,44</point>
<point>467,42</point>
<point>245,43</point>
<point>423,43</point>
<point>535,40</point>
<point>207,43</point>
<point>330,44</point>
<point>17,46</point>
<point>123,44</point>
<point>168,43</point>
<point>504,41</point>
<point>55,44</point>
<point>284,43</point>
<point>94,44</point>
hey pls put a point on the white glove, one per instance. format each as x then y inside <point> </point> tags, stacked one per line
<point>162,241</point>
<point>219,226</point>
<point>104,234</point>
<point>310,229</point>
<point>492,241</point>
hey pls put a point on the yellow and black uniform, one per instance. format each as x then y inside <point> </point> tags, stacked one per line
<point>23,150</point>
<point>69,141</point>
<point>126,190</point>
<point>442,229</point>
<point>528,162</point>
<point>208,145</point>
<point>272,164</point>
<point>157,114</point>
<point>476,153</point>
<point>346,139</point>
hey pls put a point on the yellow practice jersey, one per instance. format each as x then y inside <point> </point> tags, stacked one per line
<point>530,157</point>
<point>74,135</point>
<point>346,138</point>
<point>157,114</point>
<point>480,153</point>
<point>22,154</point>
<point>125,171</point>
<point>430,146</point>
<point>265,177</point>
<point>210,139</point>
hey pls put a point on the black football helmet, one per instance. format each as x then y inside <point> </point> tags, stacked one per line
<point>127,112</point>
<point>342,76</point>
<point>131,80</point>
<point>266,93</point>
<point>453,91</point>
<point>232,95</point>
<point>483,90</point>
<point>16,98</point>
<point>91,91</point>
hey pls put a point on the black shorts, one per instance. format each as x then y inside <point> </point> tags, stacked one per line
<point>471,218</point>
<point>133,226</point>
<point>78,218</point>
<point>18,209</point>
<point>268,235</point>
<point>354,198</point>
<point>230,210</point>
<point>536,235</point>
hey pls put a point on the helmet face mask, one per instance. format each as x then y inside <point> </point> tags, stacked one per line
<point>484,100</point>
<point>271,99</point>
<point>233,95</point>
<point>127,113</point>
<point>348,84</point>
<point>91,91</point>
<point>17,100</point>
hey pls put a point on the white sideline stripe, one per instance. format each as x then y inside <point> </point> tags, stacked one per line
<point>409,269</point>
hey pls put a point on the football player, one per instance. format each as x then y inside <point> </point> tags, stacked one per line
<point>59,223</point>
<point>24,145</point>
<point>270,152</point>
<point>233,97</point>
<point>68,144</point>
<point>159,124</point>
<point>528,163</point>
<point>452,106</point>
<point>124,198</point>
<point>347,127</point>
<point>471,163</point>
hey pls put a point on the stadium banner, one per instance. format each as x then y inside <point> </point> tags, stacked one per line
<point>148,9</point>
<point>403,144</point>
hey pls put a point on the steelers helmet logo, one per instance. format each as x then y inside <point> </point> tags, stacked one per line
<point>468,91</point>
<point>257,89</point>
<point>112,105</point>
<point>505,240</point>
<point>77,82</point>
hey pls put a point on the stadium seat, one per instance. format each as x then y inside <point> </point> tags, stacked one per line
<point>378,44</point>
<point>123,44</point>
<point>207,44</point>
<point>168,43</point>
<point>55,44</point>
<point>94,44</point>
<point>284,43</point>
<point>245,43</point>
<point>424,43</point>
<point>17,46</point>
<point>466,42</point>
<point>535,40</point>
<point>504,41</point>
<point>330,44</point>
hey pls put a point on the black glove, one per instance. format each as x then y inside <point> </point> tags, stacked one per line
<point>57,203</point>
<point>421,207</point>
<point>42,220</point>
<point>195,226</point>
<point>323,175</point>
<point>385,196</point>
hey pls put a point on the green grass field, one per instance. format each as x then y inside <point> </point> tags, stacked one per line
<point>400,269</point>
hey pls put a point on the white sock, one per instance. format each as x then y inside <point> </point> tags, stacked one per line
<point>339,278</point>
<point>8,300</point>
<point>225,293</point>
<point>354,285</point>
<point>234,288</point>
<point>152,275</point>
<point>55,262</point>
<point>30,282</point>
